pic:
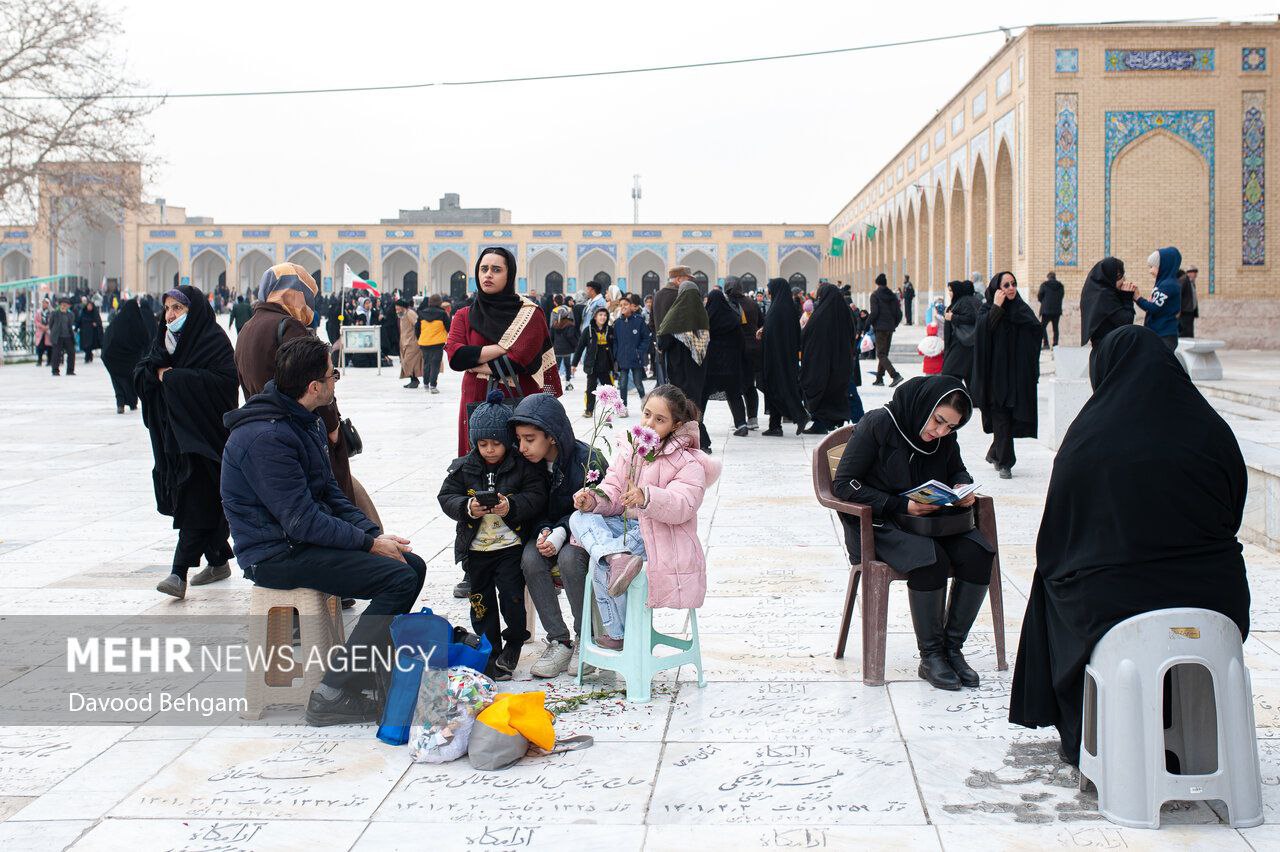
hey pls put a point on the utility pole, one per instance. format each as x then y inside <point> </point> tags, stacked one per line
<point>635,200</point>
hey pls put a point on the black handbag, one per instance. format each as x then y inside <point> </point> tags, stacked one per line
<point>347,429</point>
<point>940,524</point>
<point>497,373</point>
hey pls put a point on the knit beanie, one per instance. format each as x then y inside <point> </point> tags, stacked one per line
<point>489,420</point>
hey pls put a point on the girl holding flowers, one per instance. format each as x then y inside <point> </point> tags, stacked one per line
<point>646,509</point>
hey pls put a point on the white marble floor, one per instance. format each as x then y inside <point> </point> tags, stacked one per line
<point>784,747</point>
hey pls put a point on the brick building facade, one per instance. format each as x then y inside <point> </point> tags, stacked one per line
<point>1077,142</point>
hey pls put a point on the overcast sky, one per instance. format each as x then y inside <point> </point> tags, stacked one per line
<point>784,141</point>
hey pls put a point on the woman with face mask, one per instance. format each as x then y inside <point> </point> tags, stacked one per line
<point>187,382</point>
<point>500,334</point>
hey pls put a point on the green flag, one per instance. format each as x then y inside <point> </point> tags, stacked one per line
<point>871,232</point>
<point>837,247</point>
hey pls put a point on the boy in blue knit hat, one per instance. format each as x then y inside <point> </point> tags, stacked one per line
<point>497,498</point>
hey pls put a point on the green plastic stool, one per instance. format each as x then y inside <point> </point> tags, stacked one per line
<point>636,661</point>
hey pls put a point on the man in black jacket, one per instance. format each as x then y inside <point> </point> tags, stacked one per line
<point>908,297</point>
<point>292,526</point>
<point>886,316</point>
<point>1050,299</point>
<point>62,336</point>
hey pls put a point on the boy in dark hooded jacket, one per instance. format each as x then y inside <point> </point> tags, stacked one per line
<point>544,437</point>
<point>497,498</point>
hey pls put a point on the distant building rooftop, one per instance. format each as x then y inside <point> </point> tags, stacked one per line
<point>452,212</point>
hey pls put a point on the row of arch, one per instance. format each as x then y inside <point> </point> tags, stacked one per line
<point>940,233</point>
<point>449,271</point>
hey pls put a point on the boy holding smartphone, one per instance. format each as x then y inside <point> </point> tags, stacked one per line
<point>497,498</point>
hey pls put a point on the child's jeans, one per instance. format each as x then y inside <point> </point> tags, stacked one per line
<point>626,375</point>
<point>602,535</point>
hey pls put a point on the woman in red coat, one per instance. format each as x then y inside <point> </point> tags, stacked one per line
<point>499,326</point>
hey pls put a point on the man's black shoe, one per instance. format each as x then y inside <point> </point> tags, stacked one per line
<point>346,709</point>
<point>509,658</point>
<point>897,380</point>
<point>462,590</point>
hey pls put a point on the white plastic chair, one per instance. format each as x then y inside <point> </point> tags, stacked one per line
<point>1211,732</point>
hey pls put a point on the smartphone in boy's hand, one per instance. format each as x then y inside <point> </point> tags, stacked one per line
<point>488,499</point>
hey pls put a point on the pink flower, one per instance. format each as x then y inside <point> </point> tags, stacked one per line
<point>593,476</point>
<point>608,395</point>
<point>644,439</point>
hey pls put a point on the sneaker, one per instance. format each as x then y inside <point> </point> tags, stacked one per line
<point>435,389</point>
<point>555,659</point>
<point>741,431</point>
<point>623,568</point>
<point>509,658</point>
<point>753,424</point>
<point>879,382</point>
<point>897,380</point>
<point>462,590</point>
<point>347,709</point>
<point>1005,473</point>
<point>173,585</point>
<point>211,574</point>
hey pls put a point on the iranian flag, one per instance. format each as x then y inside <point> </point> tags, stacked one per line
<point>357,283</point>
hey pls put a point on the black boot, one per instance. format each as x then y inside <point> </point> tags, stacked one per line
<point>966,601</point>
<point>927,610</point>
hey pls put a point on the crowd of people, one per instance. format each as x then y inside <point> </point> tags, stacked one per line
<point>270,481</point>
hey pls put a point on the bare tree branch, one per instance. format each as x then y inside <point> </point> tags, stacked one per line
<point>63,51</point>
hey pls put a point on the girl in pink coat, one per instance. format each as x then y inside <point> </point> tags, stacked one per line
<point>660,501</point>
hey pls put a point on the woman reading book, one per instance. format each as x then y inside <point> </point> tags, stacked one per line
<point>893,450</point>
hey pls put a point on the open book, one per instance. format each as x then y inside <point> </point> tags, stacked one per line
<point>934,493</point>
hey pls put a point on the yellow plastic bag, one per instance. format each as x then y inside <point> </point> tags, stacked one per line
<point>522,713</point>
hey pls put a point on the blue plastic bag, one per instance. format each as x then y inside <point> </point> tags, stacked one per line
<point>421,640</point>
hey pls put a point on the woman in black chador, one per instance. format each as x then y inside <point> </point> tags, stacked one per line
<point>960,329</point>
<point>1145,500</point>
<point>128,336</point>
<point>780,349</point>
<point>893,449</point>
<point>1104,307</point>
<point>1006,368</point>
<point>725,356</point>
<point>826,365</point>
<point>187,382</point>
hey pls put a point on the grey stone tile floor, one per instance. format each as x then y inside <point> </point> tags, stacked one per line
<point>784,748</point>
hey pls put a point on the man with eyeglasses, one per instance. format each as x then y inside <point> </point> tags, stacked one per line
<point>292,527</point>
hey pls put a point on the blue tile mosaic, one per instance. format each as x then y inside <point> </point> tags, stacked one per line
<point>1194,126</point>
<point>1066,60</point>
<point>1196,59</point>
<point>1253,59</point>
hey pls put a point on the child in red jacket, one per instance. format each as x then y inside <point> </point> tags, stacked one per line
<point>931,348</point>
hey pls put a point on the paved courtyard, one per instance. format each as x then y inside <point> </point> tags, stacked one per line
<point>784,748</point>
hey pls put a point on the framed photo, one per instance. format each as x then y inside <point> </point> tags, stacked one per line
<point>360,338</point>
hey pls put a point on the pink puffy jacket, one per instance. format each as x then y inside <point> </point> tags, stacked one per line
<point>675,482</point>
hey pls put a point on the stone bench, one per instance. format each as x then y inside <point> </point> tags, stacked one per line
<point>1261,522</point>
<point>1199,357</point>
